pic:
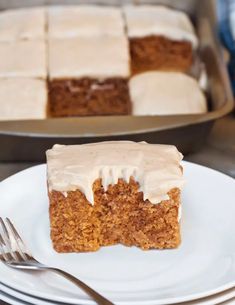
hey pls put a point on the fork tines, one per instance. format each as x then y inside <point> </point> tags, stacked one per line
<point>12,247</point>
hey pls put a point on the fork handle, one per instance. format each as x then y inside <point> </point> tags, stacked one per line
<point>92,293</point>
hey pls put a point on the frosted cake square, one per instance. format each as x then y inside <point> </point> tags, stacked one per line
<point>111,193</point>
<point>150,94</point>
<point>22,24</point>
<point>88,76</point>
<point>160,38</point>
<point>25,58</point>
<point>84,20</point>
<point>18,104</point>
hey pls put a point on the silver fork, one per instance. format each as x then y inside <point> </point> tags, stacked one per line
<point>15,254</point>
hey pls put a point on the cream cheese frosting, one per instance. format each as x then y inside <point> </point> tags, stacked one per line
<point>166,93</point>
<point>84,20</point>
<point>27,23</point>
<point>99,57</point>
<point>145,20</point>
<point>26,58</point>
<point>75,167</point>
<point>22,99</point>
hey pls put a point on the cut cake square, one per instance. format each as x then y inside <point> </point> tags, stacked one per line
<point>26,104</point>
<point>21,24</point>
<point>84,20</point>
<point>150,94</point>
<point>111,193</point>
<point>88,76</point>
<point>160,38</point>
<point>25,58</point>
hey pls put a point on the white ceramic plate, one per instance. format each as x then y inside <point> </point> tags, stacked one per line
<point>15,295</point>
<point>204,264</point>
<point>4,297</point>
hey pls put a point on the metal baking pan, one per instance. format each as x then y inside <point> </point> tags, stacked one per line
<point>28,140</point>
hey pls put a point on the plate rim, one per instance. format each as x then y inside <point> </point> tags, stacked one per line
<point>7,289</point>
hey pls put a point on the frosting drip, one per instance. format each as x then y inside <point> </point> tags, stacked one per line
<point>155,167</point>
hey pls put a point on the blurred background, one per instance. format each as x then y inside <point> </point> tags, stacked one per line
<point>208,140</point>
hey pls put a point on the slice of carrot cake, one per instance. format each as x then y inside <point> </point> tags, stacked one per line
<point>108,193</point>
<point>160,38</point>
